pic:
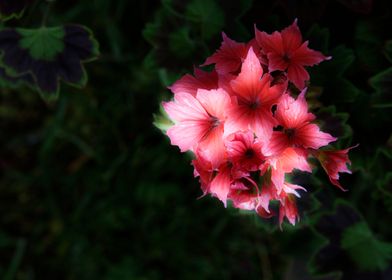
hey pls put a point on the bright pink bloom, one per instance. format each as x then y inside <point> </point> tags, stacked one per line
<point>199,122</point>
<point>286,51</point>
<point>246,130</point>
<point>335,162</point>
<point>244,151</point>
<point>229,57</point>
<point>200,80</point>
<point>297,130</point>
<point>253,99</point>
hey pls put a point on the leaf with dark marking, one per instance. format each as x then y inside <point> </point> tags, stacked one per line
<point>12,8</point>
<point>48,54</point>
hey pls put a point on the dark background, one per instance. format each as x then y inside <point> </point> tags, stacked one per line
<point>90,189</point>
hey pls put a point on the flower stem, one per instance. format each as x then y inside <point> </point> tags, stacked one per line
<point>47,12</point>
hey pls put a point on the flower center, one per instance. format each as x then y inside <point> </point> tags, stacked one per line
<point>286,58</point>
<point>214,122</point>
<point>254,105</point>
<point>249,153</point>
<point>290,132</point>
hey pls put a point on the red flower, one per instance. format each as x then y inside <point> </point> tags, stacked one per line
<point>244,127</point>
<point>199,122</point>
<point>296,127</point>
<point>253,97</point>
<point>286,51</point>
<point>229,57</point>
<point>245,151</point>
<point>335,162</point>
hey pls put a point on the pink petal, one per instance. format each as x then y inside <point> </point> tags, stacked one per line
<point>262,124</point>
<point>276,62</point>
<point>291,37</point>
<point>292,189</point>
<point>248,84</point>
<point>270,95</point>
<point>277,144</point>
<point>216,102</point>
<point>307,57</point>
<point>310,136</point>
<point>244,151</point>
<point>229,56</point>
<point>267,194</point>
<point>289,210</point>
<point>220,185</point>
<point>270,43</point>
<point>190,84</point>
<point>212,146</point>
<point>238,118</point>
<point>293,158</point>
<point>297,74</point>
<point>292,113</point>
<point>186,135</point>
<point>185,107</point>
<point>335,162</point>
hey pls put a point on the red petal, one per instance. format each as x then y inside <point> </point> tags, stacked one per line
<point>229,56</point>
<point>310,136</point>
<point>248,84</point>
<point>190,84</point>
<point>307,57</point>
<point>291,37</point>
<point>297,74</point>
<point>270,43</point>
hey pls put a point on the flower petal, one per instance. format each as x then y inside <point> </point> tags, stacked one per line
<point>297,74</point>
<point>270,43</point>
<point>248,84</point>
<point>292,113</point>
<point>310,136</point>
<point>291,37</point>
<point>307,57</point>
<point>229,56</point>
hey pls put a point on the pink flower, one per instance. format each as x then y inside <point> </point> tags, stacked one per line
<point>200,80</point>
<point>229,57</point>
<point>244,150</point>
<point>199,122</point>
<point>286,51</point>
<point>253,99</point>
<point>297,130</point>
<point>244,127</point>
<point>335,162</point>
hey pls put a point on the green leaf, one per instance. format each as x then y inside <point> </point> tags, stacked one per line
<point>162,120</point>
<point>43,43</point>
<point>341,89</point>
<point>382,83</point>
<point>150,31</point>
<point>388,50</point>
<point>365,249</point>
<point>319,38</point>
<point>44,56</point>
<point>208,15</point>
<point>180,43</point>
<point>369,44</point>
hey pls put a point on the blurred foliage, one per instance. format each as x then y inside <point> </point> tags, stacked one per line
<point>90,189</point>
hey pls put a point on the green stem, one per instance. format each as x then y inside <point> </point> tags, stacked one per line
<point>47,12</point>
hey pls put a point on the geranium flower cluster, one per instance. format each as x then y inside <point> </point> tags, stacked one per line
<point>246,128</point>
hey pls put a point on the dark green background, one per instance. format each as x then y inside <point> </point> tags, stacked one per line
<point>90,189</point>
